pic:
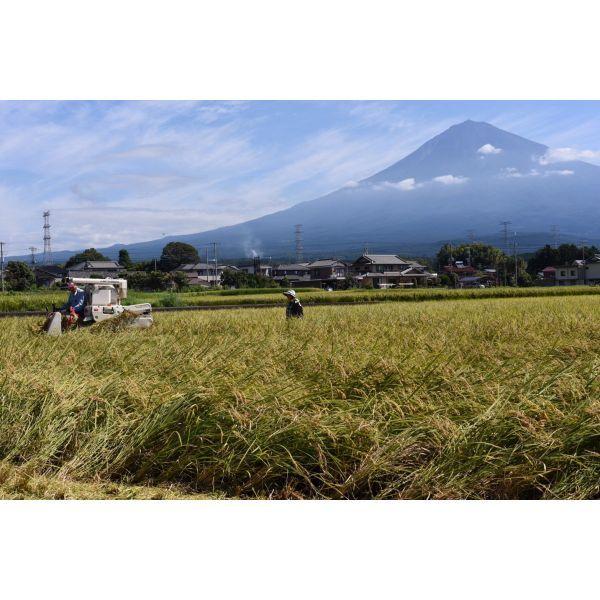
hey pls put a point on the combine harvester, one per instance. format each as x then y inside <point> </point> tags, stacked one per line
<point>103,302</point>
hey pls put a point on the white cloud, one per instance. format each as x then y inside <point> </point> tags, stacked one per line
<point>489,149</point>
<point>556,155</point>
<point>450,179</point>
<point>512,172</point>
<point>564,172</point>
<point>404,185</point>
<point>171,167</point>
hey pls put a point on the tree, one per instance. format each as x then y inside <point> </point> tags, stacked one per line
<point>236,279</point>
<point>175,254</point>
<point>89,254</point>
<point>18,276</point>
<point>565,254</point>
<point>349,283</point>
<point>480,255</point>
<point>241,279</point>
<point>154,281</point>
<point>180,280</point>
<point>125,259</point>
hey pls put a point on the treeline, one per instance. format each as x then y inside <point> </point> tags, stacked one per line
<point>158,275</point>
<point>484,256</point>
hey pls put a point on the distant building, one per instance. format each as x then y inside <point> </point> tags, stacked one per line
<point>327,272</point>
<point>389,270</point>
<point>95,268</point>
<point>460,269</point>
<point>579,272</point>
<point>472,281</point>
<point>293,272</point>
<point>548,276</point>
<point>203,273</point>
<point>257,269</point>
<point>48,275</point>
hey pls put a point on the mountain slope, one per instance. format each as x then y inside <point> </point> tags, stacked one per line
<point>471,176</point>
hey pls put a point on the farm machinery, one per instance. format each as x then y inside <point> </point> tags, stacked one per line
<point>103,299</point>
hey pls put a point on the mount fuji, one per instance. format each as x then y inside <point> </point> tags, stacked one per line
<point>470,177</point>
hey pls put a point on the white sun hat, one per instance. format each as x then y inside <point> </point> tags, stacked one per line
<point>291,293</point>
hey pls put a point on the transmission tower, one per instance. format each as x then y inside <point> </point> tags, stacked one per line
<point>471,235</point>
<point>299,247</point>
<point>47,239</point>
<point>554,236</point>
<point>505,225</point>
<point>33,250</point>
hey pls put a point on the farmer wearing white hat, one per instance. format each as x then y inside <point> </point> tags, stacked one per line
<point>293,308</point>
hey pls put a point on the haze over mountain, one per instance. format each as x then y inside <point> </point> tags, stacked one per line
<point>470,177</point>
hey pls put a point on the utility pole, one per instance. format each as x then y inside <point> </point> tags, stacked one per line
<point>216,263</point>
<point>33,250</point>
<point>207,269</point>
<point>516,263</point>
<point>2,263</point>
<point>583,265</point>
<point>505,225</point>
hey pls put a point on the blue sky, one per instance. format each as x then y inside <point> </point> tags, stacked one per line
<point>132,171</point>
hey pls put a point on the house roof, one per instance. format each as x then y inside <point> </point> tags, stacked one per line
<point>51,270</point>
<point>96,264</point>
<point>469,279</point>
<point>203,267</point>
<point>292,267</point>
<point>385,259</point>
<point>548,270</point>
<point>326,262</point>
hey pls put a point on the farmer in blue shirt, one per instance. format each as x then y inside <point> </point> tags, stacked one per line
<point>76,301</point>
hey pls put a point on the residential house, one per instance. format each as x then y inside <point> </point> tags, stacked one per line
<point>472,281</point>
<point>592,270</point>
<point>257,268</point>
<point>460,269</point>
<point>293,272</point>
<point>580,272</point>
<point>48,275</point>
<point>203,274</point>
<point>389,270</point>
<point>327,272</point>
<point>95,268</point>
<point>548,276</point>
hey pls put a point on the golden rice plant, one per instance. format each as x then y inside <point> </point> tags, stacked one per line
<point>493,398</point>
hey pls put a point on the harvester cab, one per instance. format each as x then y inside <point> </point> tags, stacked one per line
<point>104,299</point>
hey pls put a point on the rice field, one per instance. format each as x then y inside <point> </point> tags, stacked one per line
<point>492,398</point>
<point>41,300</point>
